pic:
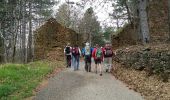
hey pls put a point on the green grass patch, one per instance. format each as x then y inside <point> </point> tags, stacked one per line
<point>17,81</point>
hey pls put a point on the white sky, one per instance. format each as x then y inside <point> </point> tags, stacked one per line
<point>102,8</point>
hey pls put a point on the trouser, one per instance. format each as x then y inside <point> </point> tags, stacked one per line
<point>108,63</point>
<point>68,60</point>
<point>87,63</point>
<point>76,60</point>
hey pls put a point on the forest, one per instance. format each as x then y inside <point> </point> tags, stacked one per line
<point>139,31</point>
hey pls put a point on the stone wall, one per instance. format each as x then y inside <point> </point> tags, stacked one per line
<point>53,36</point>
<point>153,59</point>
<point>158,26</point>
<point>158,20</point>
<point>124,37</point>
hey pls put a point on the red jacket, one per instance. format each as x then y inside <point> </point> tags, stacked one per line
<point>94,54</point>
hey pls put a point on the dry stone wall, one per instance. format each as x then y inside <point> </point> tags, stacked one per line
<point>52,36</point>
<point>152,59</point>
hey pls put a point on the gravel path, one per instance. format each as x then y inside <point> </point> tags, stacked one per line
<point>80,85</point>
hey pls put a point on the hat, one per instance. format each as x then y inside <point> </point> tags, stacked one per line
<point>87,44</point>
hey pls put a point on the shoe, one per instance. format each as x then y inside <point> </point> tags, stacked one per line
<point>101,74</point>
<point>106,70</point>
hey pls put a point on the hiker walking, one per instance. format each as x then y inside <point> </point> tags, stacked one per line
<point>76,57</point>
<point>98,58</point>
<point>87,54</point>
<point>108,54</point>
<point>67,53</point>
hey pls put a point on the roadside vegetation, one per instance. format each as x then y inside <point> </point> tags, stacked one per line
<point>18,81</point>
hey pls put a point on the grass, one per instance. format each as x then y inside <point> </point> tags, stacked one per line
<point>17,81</point>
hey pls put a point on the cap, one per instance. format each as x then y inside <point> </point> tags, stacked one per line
<point>87,44</point>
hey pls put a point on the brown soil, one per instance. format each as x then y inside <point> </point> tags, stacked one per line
<point>152,88</point>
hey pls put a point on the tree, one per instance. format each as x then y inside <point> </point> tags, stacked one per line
<point>119,13</point>
<point>107,33</point>
<point>1,49</point>
<point>16,18</point>
<point>125,6</point>
<point>89,26</point>
<point>63,15</point>
<point>136,12</point>
<point>143,21</point>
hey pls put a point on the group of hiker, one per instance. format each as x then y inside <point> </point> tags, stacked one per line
<point>102,57</point>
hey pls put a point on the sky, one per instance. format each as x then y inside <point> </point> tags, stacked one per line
<point>102,8</point>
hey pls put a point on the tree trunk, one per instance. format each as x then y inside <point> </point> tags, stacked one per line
<point>24,33</point>
<point>30,34</point>
<point>4,49</point>
<point>128,11</point>
<point>143,21</point>
<point>14,44</point>
<point>117,23</point>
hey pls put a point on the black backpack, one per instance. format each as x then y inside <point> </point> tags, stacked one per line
<point>67,50</point>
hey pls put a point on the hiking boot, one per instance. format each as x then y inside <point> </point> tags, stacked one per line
<point>106,70</point>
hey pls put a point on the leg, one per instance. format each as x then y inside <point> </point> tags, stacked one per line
<point>78,62</point>
<point>89,66</point>
<point>106,64</point>
<point>69,60</point>
<point>96,68</point>
<point>96,65</point>
<point>74,63</point>
<point>100,66</point>
<point>110,63</point>
<point>86,67</point>
<point>89,63</point>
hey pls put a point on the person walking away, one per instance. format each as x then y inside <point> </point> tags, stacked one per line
<point>108,54</point>
<point>87,54</point>
<point>76,57</point>
<point>98,58</point>
<point>67,54</point>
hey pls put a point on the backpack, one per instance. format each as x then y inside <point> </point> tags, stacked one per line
<point>67,50</point>
<point>75,51</point>
<point>108,52</point>
<point>98,53</point>
<point>87,50</point>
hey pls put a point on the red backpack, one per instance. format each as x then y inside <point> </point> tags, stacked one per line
<point>75,51</point>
